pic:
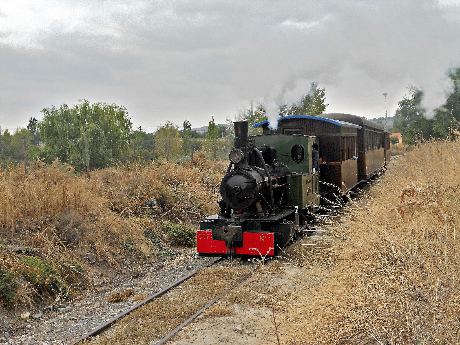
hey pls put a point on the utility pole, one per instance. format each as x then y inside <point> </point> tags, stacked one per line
<point>385,95</point>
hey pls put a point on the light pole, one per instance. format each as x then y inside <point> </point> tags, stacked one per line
<point>385,95</point>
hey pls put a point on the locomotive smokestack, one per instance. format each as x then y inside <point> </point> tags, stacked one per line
<point>241,134</point>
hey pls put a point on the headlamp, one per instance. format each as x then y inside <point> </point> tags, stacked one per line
<point>236,156</point>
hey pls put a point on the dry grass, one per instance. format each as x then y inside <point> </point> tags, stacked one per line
<point>162,315</point>
<point>397,150</point>
<point>120,296</point>
<point>165,191</point>
<point>67,222</point>
<point>396,277</point>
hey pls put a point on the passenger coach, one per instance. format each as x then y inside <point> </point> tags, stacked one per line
<point>373,144</point>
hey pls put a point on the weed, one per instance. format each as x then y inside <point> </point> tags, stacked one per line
<point>43,277</point>
<point>129,246</point>
<point>8,287</point>
<point>180,234</point>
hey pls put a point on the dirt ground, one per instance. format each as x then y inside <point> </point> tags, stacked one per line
<point>162,315</point>
<point>262,310</point>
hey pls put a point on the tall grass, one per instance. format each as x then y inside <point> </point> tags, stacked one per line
<point>397,275</point>
<point>68,221</point>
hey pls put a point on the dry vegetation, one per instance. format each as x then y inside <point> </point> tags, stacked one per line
<point>396,276</point>
<point>156,319</point>
<point>57,225</point>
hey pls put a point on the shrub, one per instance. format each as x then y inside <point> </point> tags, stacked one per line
<point>55,222</point>
<point>43,276</point>
<point>8,287</point>
<point>180,234</point>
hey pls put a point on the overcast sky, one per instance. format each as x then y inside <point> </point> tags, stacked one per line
<point>176,60</point>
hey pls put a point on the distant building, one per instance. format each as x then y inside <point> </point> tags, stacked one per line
<point>201,130</point>
<point>397,139</point>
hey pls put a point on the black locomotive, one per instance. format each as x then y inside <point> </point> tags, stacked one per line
<point>273,180</point>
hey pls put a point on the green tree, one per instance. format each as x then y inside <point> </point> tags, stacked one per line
<point>141,146</point>
<point>211,138</point>
<point>188,146</point>
<point>87,136</point>
<point>17,147</point>
<point>187,126</point>
<point>447,117</point>
<point>6,148</point>
<point>444,123</point>
<point>32,127</point>
<point>167,142</point>
<point>410,118</point>
<point>312,103</point>
<point>213,130</point>
<point>254,116</point>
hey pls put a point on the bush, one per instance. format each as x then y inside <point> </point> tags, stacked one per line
<point>55,222</point>
<point>43,276</point>
<point>8,287</point>
<point>180,234</point>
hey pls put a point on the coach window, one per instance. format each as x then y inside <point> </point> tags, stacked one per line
<point>352,147</point>
<point>368,140</point>
<point>348,149</point>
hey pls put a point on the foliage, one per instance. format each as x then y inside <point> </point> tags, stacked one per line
<point>88,136</point>
<point>394,140</point>
<point>43,277</point>
<point>168,142</point>
<point>32,127</point>
<point>189,145</point>
<point>444,123</point>
<point>253,116</point>
<point>410,118</point>
<point>180,234</point>
<point>447,117</point>
<point>17,147</point>
<point>8,287</point>
<point>213,131</point>
<point>211,138</point>
<point>187,126</point>
<point>141,146</point>
<point>312,103</point>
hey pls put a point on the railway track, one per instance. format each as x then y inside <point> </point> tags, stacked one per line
<point>182,321</point>
<point>172,331</point>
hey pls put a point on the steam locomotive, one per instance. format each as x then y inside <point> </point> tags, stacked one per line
<point>276,180</point>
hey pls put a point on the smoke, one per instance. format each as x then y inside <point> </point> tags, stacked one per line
<point>359,50</point>
<point>287,94</point>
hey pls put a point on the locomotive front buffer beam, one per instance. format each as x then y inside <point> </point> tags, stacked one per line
<point>231,240</point>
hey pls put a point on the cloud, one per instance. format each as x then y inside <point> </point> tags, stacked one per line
<point>27,23</point>
<point>303,25</point>
<point>172,60</point>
